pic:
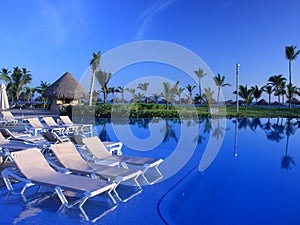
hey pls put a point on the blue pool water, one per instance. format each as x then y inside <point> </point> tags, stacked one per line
<point>253,178</point>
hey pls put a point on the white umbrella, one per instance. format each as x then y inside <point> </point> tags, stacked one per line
<point>3,98</point>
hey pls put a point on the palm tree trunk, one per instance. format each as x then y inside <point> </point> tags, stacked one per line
<point>91,88</point>
<point>290,72</point>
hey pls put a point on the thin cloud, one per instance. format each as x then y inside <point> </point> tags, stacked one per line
<point>53,21</point>
<point>148,15</point>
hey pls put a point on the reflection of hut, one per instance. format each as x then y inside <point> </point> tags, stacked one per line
<point>65,91</point>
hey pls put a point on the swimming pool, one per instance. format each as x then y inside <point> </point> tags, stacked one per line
<point>252,179</point>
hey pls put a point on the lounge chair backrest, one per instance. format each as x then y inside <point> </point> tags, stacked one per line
<point>3,140</point>
<point>7,115</point>
<point>6,133</point>
<point>96,147</point>
<point>32,163</point>
<point>66,120</point>
<point>68,156</point>
<point>35,123</point>
<point>50,121</point>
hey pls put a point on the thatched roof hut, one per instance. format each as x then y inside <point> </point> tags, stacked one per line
<point>66,87</point>
<point>66,90</point>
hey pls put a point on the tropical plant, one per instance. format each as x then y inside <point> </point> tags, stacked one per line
<point>208,93</point>
<point>220,83</point>
<point>200,74</point>
<point>122,91</point>
<point>169,92</point>
<point>103,79</point>
<point>132,92</point>
<point>41,89</point>
<point>291,91</point>
<point>144,88</point>
<point>246,94</point>
<point>16,82</point>
<point>291,55</point>
<point>269,90</point>
<point>276,81</point>
<point>5,76</point>
<point>138,97</point>
<point>113,90</point>
<point>256,92</point>
<point>179,91</point>
<point>190,89</point>
<point>94,63</point>
<point>28,93</point>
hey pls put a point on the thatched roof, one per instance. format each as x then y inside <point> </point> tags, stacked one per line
<point>66,87</point>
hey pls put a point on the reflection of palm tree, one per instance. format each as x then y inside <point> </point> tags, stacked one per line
<point>103,134</point>
<point>199,138</point>
<point>287,160</point>
<point>276,133</point>
<point>243,123</point>
<point>218,132</point>
<point>170,133</point>
<point>255,123</point>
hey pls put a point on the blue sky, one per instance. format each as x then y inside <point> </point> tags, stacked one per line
<point>52,37</point>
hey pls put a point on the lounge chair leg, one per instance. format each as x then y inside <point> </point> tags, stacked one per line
<point>62,197</point>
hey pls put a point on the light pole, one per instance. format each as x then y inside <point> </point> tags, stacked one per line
<point>237,86</point>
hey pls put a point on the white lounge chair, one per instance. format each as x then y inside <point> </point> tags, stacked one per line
<point>9,118</point>
<point>35,126</point>
<point>33,168</point>
<point>99,152</point>
<point>66,127</point>
<point>84,128</point>
<point>68,156</point>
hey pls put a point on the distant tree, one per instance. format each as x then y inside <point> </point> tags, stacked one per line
<point>41,89</point>
<point>113,90</point>
<point>200,74</point>
<point>122,92</point>
<point>208,93</point>
<point>5,76</point>
<point>276,81</point>
<point>257,92</point>
<point>144,88</point>
<point>16,82</point>
<point>291,91</point>
<point>220,83</point>
<point>138,97</point>
<point>179,91</point>
<point>156,97</point>
<point>132,92</point>
<point>169,92</point>
<point>246,94</point>
<point>103,79</point>
<point>190,89</point>
<point>269,90</point>
<point>291,55</point>
<point>94,63</point>
<point>28,93</point>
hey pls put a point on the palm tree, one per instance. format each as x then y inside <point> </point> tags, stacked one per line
<point>5,75</point>
<point>169,92</point>
<point>113,90</point>
<point>16,81</point>
<point>269,90</point>
<point>144,88</point>
<point>103,79</point>
<point>122,91</point>
<point>256,92</point>
<point>208,93</point>
<point>139,97</point>
<point>276,81</point>
<point>290,93</point>
<point>41,89</point>
<point>190,89</point>
<point>291,55</point>
<point>94,63</point>
<point>28,93</point>
<point>156,97</point>
<point>132,92</point>
<point>179,91</point>
<point>246,94</point>
<point>200,74</point>
<point>220,83</point>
